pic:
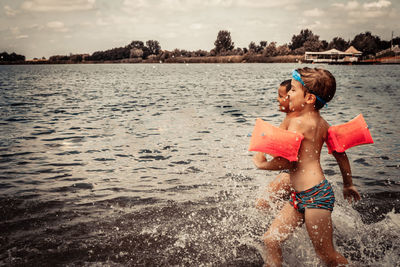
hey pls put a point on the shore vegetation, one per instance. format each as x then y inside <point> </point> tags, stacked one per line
<point>224,51</point>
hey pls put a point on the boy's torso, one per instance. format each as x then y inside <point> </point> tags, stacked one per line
<point>307,172</point>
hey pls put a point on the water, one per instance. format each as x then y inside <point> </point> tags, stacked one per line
<point>148,165</point>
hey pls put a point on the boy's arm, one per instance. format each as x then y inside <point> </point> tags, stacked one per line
<point>276,164</point>
<point>349,190</point>
<point>285,123</point>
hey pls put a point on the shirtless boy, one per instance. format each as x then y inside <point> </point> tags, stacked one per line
<point>313,199</point>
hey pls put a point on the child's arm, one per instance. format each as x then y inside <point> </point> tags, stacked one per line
<point>285,123</point>
<point>349,190</point>
<point>276,164</point>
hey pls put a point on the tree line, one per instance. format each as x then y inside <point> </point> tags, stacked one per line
<point>306,40</point>
<point>13,57</point>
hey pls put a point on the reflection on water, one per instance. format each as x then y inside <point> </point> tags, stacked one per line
<point>148,164</point>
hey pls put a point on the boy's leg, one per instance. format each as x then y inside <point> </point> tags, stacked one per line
<point>319,228</point>
<point>281,228</point>
<point>275,190</point>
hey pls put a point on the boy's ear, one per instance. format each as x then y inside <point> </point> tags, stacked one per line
<point>311,98</point>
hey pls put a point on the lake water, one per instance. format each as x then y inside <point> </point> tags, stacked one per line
<point>148,165</point>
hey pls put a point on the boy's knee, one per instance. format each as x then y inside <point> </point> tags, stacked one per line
<point>271,241</point>
<point>262,204</point>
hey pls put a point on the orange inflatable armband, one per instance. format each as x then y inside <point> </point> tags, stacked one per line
<point>272,140</point>
<point>349,134</point>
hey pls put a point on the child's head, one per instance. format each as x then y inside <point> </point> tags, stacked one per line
<point>283,89</point>
<point>318,82</point>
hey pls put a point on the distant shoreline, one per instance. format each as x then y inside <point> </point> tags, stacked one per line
<point>256,58</point>
<point>177,60</point>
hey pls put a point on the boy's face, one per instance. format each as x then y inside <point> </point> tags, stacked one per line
<point>297,99</point>
<point>283,99</point>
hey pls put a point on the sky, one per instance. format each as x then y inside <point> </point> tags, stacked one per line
<point>42,28</point>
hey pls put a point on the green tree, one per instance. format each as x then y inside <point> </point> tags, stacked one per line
<point>324,45</point>
<point>252,47</point>
<point>224,42</point>
<point>366,43</point>
<point>299,40</point>
<point>263,44</point>
<point>270,50</point>
<point>136,44</point>
<point>338,43</point>
<point>136,53</point>
<point>312,44</point>
<point>154,47</point>
<point>283,50</point>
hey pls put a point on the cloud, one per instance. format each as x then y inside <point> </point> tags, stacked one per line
<point>57,5</point>
<point>359,14</point>
<point>196,26</point>
<point>378,4</point>
<point>265,4</point>
<point>352,5</point>
<point>316,25</point>
<point>22,36</point>
<point>369,14</point>
<point>316,12</point>
<point>134,4</point>
<point>185,5</point>
<point>9,11</point>
<point>57,26</point>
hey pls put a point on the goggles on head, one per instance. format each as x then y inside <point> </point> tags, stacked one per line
<point>296,75</point>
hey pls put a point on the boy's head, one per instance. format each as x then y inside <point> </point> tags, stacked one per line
<point>283,89</point>
<point>318,82</point>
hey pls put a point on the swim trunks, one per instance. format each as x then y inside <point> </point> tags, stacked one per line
<point>320,196</point>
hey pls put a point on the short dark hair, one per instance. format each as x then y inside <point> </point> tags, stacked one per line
<point>287,84</point>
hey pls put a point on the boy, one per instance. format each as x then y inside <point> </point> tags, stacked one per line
<point>313,200</point>
<point>280,187</point>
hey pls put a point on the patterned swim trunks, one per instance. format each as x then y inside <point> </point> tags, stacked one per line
<point>320,196</point>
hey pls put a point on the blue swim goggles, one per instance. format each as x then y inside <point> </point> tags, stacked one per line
<point>296,75</point>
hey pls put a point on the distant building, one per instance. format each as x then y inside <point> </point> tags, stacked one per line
<point>333,55</point>
<point>395,49</point>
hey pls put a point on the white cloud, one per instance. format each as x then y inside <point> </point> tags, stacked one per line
<point>369,14</point>
<point>9,11</point>
<point>316,12</point>
<point>196,26</point>
<point>223,3</point>
<point>316,25</point>
<point>186,5</point>
<point>134,4</point>
<point>35,27</point>
<point>57,5</point>
<point>57,26</point>
<point>378,4</point>
<point>352,5</point>
<point>265,4</point>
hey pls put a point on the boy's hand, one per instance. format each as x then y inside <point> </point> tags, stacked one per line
<point>350,193</point>
<point>259,159</point>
